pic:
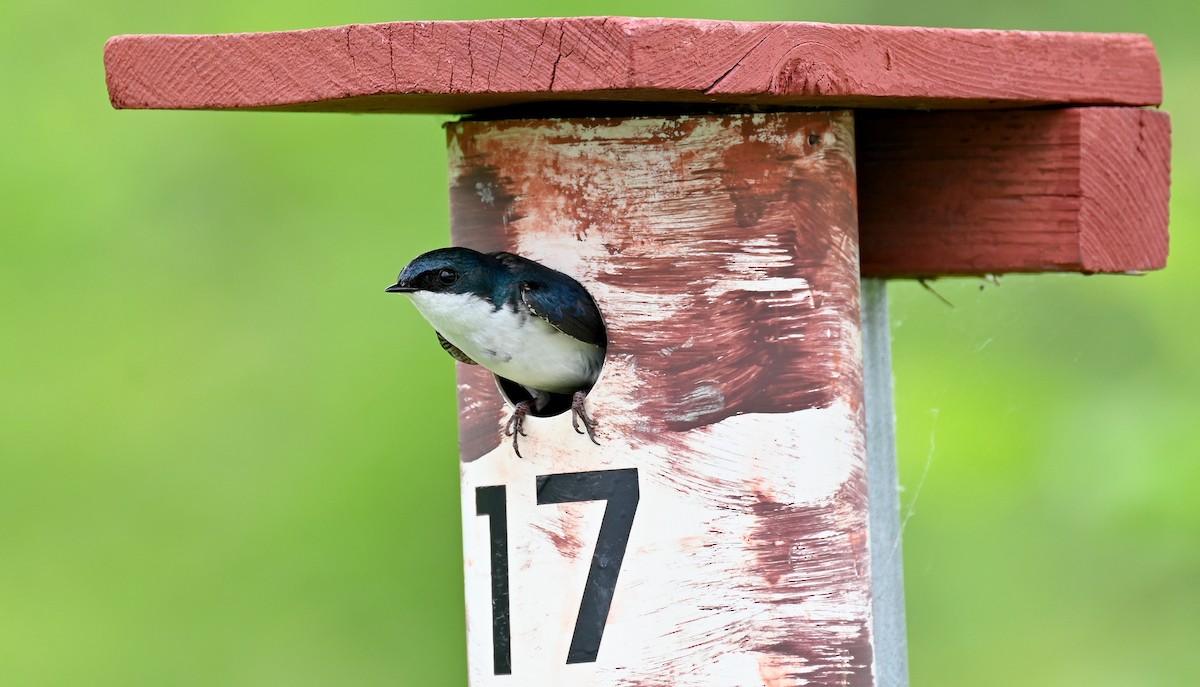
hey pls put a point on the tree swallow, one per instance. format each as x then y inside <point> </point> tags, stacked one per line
<point>526,323</point>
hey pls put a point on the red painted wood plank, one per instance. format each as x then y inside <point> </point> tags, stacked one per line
<point>972,193</point>
<point>467,66</point>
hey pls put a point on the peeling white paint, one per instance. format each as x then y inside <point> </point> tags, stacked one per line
<point>746,563</point>
<point>688,548</point>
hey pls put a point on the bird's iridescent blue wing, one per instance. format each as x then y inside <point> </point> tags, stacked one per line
<point>556,298</point>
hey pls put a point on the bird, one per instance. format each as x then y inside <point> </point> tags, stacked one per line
<point>526,323</point>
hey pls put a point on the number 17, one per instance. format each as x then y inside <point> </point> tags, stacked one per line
<point>620,489</point>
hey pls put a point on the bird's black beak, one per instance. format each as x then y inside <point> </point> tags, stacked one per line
<point>399,287</point>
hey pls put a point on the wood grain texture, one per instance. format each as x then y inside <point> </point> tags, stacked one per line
<point>722,252</point>
<point>974,193</point>
<point>1125,189</point>
<point>458,67</point>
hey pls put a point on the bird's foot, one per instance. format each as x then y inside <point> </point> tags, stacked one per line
<point>515,427</point>
<point>579,416</point>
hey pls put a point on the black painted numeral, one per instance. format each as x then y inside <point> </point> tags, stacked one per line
<point>490,501</point>
<point>620,489</point>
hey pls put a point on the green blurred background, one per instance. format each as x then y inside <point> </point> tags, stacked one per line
<point>228,458</point>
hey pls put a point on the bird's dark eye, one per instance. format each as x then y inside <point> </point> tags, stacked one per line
<point>447,276</point>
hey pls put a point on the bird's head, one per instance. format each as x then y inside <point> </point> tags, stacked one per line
<point>447,271</point>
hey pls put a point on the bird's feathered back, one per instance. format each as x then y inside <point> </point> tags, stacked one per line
<point>555,297</point>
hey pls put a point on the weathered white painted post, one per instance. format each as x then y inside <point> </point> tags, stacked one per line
<point>738,523</point>
<point>718,535</point>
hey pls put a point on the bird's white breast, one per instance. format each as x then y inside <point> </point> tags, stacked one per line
<point>513,344</point>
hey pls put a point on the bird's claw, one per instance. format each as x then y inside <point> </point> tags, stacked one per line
<point>579,416</point>
<point>515,427</point>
